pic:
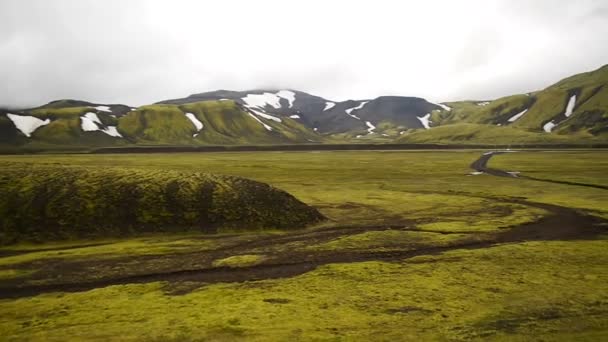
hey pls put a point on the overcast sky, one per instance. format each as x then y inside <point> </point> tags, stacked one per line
<point>138,52</point>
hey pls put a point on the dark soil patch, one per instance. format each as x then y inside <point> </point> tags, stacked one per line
<point>6,253</point>
<point>188,271</point>
<point>408,309</point>
<point>277,300</point>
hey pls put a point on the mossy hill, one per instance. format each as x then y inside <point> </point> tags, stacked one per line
<point>52,202</point>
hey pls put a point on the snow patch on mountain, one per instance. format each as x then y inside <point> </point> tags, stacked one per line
<point>260,121</point>
<point>27,124</point>
<point>570,106</point>
<point>294,116</point>
<point>518,115</point>
<point>446,108</point>
<point>350,110</point>
<point>262,100</point>
<point>112,131</point>
<point>371,127</point>
<point>257,102</point>
<point>549,126</point>
<point>265,116</point>
<point>425,120</point>
<point>329,105</point>
<point>287,95</point>
<point>269,99</point>
<point>353,116</point>
<point>195,121</point>
<point>89,121</point>
<point>483,104</point>
<point>93,117</point>
<point>103,109</point>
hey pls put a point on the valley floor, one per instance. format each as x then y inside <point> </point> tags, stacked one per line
<point>416,246</point>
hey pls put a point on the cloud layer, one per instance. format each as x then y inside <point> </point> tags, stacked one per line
<point>137,52</point>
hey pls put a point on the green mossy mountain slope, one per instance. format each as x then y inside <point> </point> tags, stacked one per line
<point>489,134</point>
<point>230,121</point>
<point>587,123</point>
<point>224,123</point>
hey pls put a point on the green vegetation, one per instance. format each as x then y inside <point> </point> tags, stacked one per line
<point>239,261</point>
<point>592,115</point>
<point>224,123</point>
<point>359,185</point>
<point>60,130</point>
<point>390,264</point>
<point>591,166</point>
<point>465,133</point>
<point>57,112</point>
<point>390,240</point>
<point>493,218</point>
<point>54,202</point>
<point>511,292</point>
<point>228,122</point>
<point>495,112</point>
<point>157,123</point>
<point>68,131</point>
<point>107,248</point>
<point>63,132</point>
<point>587,123</point>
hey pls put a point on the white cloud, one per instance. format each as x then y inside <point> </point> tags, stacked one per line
<point>137,52</point>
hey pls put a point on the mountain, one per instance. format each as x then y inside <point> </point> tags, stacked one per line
<point>572,110</point>
<point>575,108</point>
<point>324,115</point>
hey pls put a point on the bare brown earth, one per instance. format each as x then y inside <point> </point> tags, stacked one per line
<point>62,275</point>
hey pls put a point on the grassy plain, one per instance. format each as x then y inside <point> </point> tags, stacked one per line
<point>407,253</point>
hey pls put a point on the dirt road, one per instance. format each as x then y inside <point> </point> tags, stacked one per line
<point>480,165</point>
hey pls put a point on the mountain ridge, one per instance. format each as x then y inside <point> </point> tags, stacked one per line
<point>573,109</point>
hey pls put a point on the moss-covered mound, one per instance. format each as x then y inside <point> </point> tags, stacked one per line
<point>54,202</point>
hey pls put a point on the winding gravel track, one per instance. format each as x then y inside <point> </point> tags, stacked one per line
<point>480,165</point>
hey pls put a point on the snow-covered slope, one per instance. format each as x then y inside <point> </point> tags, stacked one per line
<point>27,124</point>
